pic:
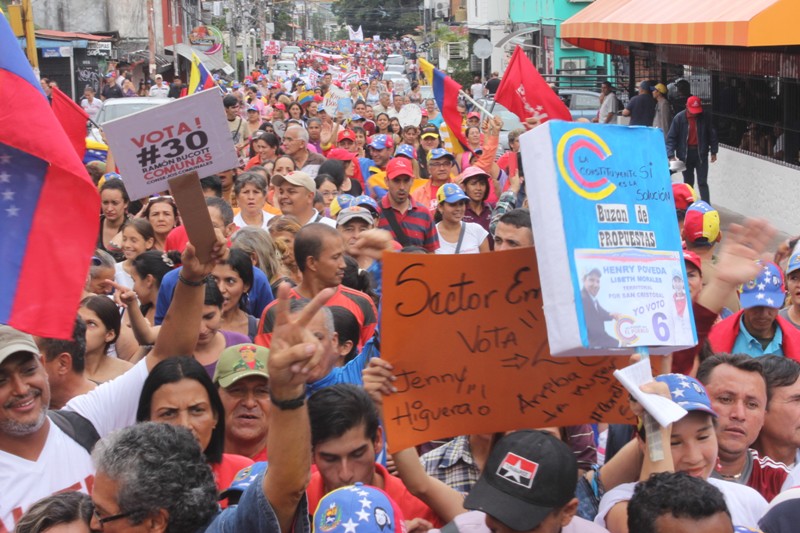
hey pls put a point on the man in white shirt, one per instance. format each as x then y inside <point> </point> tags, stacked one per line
<point>159,89</point>
<point>38,456</point>
<point>477,88</point>
<point>608,105</point>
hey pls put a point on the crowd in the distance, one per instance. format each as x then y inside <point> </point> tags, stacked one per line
<point>243,391</point>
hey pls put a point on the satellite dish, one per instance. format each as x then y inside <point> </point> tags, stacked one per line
<point>482,48</point>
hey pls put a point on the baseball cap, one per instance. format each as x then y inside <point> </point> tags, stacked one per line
<point>424,112</point>
<point>354,212</point>
<point>369,508</point>
<point>340,202</point>
<point>346,134</point>
<point>299,178</point>
<point>439,153</point>
<point>694,259</point>
<point>110,75</point>
<point>321,109</point>
<point>399,166</point>
<point>13,341</point>
<point>471,172</point>
<point>684,195</point>
<point>451,194</point>
<point>280,106</point>
<point>366,201</point>
<point>528,474</point>
<point>244,478</point>
<point>429,131</point>
<point>159,77</point>
<point>240,361</point>
<point>693,105</point>
<point>355,118</point>
<point>660,87</point>
<point>340,154</point>
<point>473,114</point>
<point>794,260</point>
<point>381,141</point>
<point>765,290</point>
<point>687,392</point>
<point>252,108</point>
<point>701,223</point>
<point>406,150</point>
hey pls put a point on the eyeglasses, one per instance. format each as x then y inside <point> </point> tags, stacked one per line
<point>440,164</point>
<point>103,521</point>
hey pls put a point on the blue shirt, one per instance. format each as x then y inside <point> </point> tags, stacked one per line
<point>746,343</point>
<point>259,296</point>
<point>349,373</point>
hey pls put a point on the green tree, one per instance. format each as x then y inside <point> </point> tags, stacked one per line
<point>387,18</point>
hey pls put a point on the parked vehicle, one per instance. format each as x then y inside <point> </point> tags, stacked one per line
<point>510,121</point>
<point>581,104</point>
<point>115,108</point>
<point>288,52</point>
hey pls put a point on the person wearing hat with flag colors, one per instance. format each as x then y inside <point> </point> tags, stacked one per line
<point>691,138</point>
<point>663,117</point>
<point>701,233</point>
<point>358,508</point>
<point>690,445</point>
<point>684,196</point>
<point>758,329</point>
<point>455,235</point>
<point>440,168</point>
<point>791,312</point>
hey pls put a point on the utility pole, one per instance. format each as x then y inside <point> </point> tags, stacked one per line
<point>151,38</point>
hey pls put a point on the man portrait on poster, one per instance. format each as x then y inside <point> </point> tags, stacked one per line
<point>594,315</point>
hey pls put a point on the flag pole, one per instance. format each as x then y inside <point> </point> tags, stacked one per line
<point>476,104</point>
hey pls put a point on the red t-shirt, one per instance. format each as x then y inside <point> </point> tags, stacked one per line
<point>411,506</point>
<point>692,141</point>
<point>767,476</point>
<point>226,470</point>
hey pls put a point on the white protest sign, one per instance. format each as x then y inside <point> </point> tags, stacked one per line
<point>410,115</point>
<point>331,100</point>
<point>188,135</point>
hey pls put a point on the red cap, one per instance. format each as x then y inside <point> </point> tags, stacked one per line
<point>280,106</point>
<point>340,154</point>
<point>474,114</point>
<point>694,259</point>
<point>424,112</point>
<point>684,195</point>
<point>346,134</point>
<point>693,105</point>
<point>318,98</point>
<point>399,166</point>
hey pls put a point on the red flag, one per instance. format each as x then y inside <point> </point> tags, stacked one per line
<point>72,118</point>
<point>525,93</point>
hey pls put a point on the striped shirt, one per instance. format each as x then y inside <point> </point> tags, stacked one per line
<point>417,225</point>
<point>354,301</point>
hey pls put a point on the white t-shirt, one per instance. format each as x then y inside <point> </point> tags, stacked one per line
<point>477,90</point>
<point>122,277</point>
<point>475,522</point>
<point>64,464</point>
<point>92,108</point>
<point>745,504</point>
<point>239,221</point>
<point>474,235</point>
<point>609,105</point>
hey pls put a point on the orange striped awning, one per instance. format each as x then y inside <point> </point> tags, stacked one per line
<point>684,22</point>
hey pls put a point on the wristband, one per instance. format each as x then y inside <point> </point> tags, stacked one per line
<point>190,283</point>
<point>288,405</point>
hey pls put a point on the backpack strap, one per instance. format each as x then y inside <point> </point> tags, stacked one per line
<point>461,236</point>
<point>76,426</point>
<point>399,234</point>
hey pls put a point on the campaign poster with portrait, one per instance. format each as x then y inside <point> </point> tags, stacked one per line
<point>607,239</point>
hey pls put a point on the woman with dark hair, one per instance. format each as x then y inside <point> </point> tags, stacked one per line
<point>178,391</point>
<point>396,129</point>
<point>64,512</point>
<point>473,135</point>
<point>295,112</point>
<point>328,187</point>
<point>137,238</point>
<point>361,140</point>
<point>234,278</point>
<point>162,213</point>
<point>348,332</point>
<point>382,124</point>
<point>344,164</point>
<point>102,330</point>
<point>266,147</point>
<point>250,191</point>
<point>213,339</point>
<point>114,201</point>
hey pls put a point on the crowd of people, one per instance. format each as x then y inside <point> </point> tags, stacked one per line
<point>243,392</point>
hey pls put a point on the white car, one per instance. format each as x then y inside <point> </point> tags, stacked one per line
<point>115,108</point>
<point>284,68</point>
<point>288,52</point>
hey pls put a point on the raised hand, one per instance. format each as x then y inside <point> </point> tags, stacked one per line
<point>741,250</point>
<point>196,270</point>
<point>295,350</point>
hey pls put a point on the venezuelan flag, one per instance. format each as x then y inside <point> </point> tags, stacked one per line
<point>445,92</point>
<point>200,78</point>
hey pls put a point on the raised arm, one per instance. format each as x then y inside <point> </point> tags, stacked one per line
<point>181,327</point>
<point>293,352</point>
